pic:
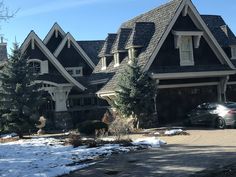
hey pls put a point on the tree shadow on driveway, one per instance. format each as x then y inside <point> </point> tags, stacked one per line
<point>169,161</point>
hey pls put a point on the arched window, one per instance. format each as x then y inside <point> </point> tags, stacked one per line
<point>35,67</point>
<point>38,66</point>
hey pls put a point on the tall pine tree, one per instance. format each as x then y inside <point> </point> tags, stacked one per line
<point>20,97</point>
<point>135,93</point>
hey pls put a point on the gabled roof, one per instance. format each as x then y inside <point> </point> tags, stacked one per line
<point>92,49</point>
<point>107,47</point>
<point>32,36</point>
<point>223,34</point>
<point>141,34</point>
<point>54,28</point>
<point>163,19</point>
<point>77,47</point>
<point>121,40</point>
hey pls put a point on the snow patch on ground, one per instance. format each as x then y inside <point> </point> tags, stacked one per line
<point>11,135</point>
<point>149,141</point>
<point>48,157</point>
<point>173,132</point>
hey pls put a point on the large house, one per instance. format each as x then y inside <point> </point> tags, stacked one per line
<point>190,56</point>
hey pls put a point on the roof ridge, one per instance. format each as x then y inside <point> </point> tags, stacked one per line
<point>164,5</point>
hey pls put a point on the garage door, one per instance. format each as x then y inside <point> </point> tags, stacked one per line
<point>174,103</point>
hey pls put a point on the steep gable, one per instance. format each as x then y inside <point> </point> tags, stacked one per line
<point>168,57</point>
<point>67,44</point>
<point>33,41</point>
<point>54,37</point>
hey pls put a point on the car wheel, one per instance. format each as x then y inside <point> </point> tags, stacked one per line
<point>220,123</point>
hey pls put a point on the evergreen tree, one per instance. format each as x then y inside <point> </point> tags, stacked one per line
<point>135,93</point>
<point>19,94</point>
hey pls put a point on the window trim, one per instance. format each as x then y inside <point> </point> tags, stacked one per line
<point>116,59</point>
<point>183,61</point>
<point>233,52</point>
<point>73,69</point>
<point>43,65</point>
<point>104,63</point>
<point>195,34</point>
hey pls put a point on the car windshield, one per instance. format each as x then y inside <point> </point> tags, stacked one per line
<point>230,105</point>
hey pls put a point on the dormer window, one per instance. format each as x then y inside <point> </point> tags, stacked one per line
<point>104,63</point>
<point>75,71</point>
<point>131,54</point>
<point>116,60</point>
<point>233,52</point>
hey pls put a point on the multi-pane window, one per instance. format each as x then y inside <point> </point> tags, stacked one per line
<point>186,51</point>
<point>116,59</point>
<point>233,52</point>
<point>35,67</point>
<point>104,63</point>
<point>75,71</point>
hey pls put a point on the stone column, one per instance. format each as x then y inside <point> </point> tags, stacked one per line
<point>62,118</point>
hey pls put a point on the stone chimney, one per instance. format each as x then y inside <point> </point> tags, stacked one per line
<point>3,50</point>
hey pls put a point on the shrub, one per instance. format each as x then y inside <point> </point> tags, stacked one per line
<point>120,126</point>
<point>108,118</point>
<point>74,140</point>
<point>89,127</point>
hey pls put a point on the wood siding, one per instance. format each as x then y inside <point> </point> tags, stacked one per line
<point>69,57</point>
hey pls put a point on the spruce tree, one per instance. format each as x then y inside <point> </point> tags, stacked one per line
<point>135,93</point>
<point>20,97</point>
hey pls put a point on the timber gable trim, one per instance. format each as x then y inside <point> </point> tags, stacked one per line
<point>32,36</point>
<point>70,39</point>
<point>195,16</point>
<point>185,75</point>
<point>55,28</point>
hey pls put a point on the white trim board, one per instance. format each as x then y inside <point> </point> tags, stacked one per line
<point>100,81</point>
<point>77,47</point>
<point>52,30</point>
<point>52,83</point>
<point>196,18</point>
<point>51,57</point>
<point>187,75</point>
<point>188,85</point>
<point>105,94</point>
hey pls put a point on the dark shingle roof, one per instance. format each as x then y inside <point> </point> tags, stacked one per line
<point>92,49</point>
<point>141,34</point>
<point>159,19</point>
<point>56,78</point>
<point>220,30</point>
<point>121,39</point>
<point>106,49</point>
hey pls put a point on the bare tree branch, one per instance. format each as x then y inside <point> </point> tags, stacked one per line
<point>4,12</point>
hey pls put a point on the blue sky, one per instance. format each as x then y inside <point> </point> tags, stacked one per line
<point>92,19</point>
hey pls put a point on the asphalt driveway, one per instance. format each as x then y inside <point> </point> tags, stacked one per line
<point>181,157</point>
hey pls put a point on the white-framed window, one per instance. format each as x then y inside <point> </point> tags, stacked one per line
<point>233,52</point>
<point>186,51</point>
<point>38,66</point>
<point>131,53</point>
<point>104,63</point>
<point>35,67</point>
<point>75,71</point>
<point>116,60</point>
